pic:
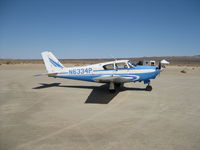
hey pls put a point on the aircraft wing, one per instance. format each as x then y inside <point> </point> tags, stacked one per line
<point>112,78</point>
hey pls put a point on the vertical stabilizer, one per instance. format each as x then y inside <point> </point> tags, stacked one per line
<point>52,64</point>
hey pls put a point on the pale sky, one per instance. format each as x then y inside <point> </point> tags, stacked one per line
<point>99,28</point>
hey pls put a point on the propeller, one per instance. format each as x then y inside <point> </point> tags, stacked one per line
<point>159,65</point>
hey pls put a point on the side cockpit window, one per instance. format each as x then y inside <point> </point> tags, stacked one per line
<point>121,65</point>
<point>108,67</point>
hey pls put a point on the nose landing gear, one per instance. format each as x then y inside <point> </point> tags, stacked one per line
<point>149,88</point>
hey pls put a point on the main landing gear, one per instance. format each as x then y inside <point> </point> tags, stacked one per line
<point>113,86</point>
<point>112,91</point>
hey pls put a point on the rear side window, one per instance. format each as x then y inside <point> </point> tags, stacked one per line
<point>121,65</point>
<point>109,66</point>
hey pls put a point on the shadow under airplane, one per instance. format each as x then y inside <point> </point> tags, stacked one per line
<point>44,85</point>
<point>99,94</point>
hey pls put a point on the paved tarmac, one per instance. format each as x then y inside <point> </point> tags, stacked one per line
<point>41,113</point>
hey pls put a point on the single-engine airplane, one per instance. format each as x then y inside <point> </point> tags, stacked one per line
<point>115,73</point>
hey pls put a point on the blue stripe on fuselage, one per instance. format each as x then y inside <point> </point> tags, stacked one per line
<point>90,77</point>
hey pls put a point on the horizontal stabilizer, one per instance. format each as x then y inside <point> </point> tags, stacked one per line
<point>46,74</point>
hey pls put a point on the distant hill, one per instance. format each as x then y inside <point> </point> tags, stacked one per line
<point>174,60</point>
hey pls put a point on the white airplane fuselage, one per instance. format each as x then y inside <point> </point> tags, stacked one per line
<point>114,72</point>
<point>92,72</point>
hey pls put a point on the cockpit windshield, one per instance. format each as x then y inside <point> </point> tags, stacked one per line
<point>131,65</point>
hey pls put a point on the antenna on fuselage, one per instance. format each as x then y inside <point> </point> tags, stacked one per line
<point>115,59</point>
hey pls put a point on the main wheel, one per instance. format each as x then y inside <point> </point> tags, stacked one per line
<point>112,91</point>
<point>117,84</point>
<point>149,88</point>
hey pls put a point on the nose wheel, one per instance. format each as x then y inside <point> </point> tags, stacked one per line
<point>149,88</point>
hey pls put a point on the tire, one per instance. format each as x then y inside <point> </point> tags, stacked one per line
<point>112,91</point>
<point>117,84</point>
<point>149,88</point>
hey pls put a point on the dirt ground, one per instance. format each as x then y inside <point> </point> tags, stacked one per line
<point>41,113</point>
